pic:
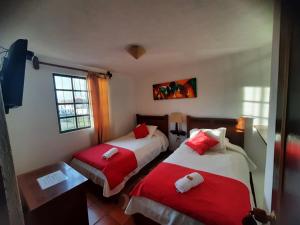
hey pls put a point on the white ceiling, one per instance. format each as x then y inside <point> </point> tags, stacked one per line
<point>95,32</point>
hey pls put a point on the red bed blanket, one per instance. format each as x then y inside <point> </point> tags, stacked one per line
<point>217,201</point>
<point>115,168</point>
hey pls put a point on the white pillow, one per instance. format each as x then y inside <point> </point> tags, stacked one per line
<point>193,132</point>
<point>219,134</point>
<point>151,130</point>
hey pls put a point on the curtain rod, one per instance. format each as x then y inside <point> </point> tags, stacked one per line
<point>105,75</point>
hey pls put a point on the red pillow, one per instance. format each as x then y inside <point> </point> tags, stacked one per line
<point>201,142</point>
<point>141,131</point>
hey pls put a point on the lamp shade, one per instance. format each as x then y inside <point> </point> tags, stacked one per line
<point>176,117</point>
<point>241,125</point>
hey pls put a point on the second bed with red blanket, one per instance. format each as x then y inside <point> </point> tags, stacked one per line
<point>223,198</point>
<point>218,200</point>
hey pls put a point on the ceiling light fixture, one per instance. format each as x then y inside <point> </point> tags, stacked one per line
<point>136,51</point>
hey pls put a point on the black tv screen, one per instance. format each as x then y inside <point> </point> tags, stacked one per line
<point>12,74</point>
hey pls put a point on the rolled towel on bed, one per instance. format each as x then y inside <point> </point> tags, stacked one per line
<point>110,153</point>
<point>189,181</point>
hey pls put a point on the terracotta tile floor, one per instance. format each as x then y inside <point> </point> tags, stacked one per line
<point>106,212</point>
<point>110,211</point>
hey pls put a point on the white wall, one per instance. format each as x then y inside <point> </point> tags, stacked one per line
<point>273,108</point>
<point>122,104</point>
<point>33,128</point>
<point>220,82</point>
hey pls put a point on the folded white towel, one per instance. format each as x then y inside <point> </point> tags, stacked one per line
<point>189,181</point>
<point>110,153</point>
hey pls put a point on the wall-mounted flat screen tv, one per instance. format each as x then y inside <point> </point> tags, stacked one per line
<point>12,74</point>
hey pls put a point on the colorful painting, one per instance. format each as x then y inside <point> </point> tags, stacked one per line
<point>186,88</point>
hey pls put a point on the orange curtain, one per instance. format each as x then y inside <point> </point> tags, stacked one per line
<point>98,90</point>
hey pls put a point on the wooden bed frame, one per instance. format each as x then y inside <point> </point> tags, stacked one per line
<point>162,122</point>
<point>234,135</point>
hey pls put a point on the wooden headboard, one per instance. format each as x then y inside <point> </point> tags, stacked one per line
<point>235,136</point>
<point>162,122</point>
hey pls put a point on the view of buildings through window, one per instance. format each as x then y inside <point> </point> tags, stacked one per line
<point>72,102</point>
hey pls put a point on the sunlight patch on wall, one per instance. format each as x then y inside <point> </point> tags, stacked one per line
<point>256,104</point>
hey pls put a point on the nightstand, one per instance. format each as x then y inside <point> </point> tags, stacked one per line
<point>176,139</point>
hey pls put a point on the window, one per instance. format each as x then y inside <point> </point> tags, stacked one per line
<point>72,102</point>
<point>256,104</point>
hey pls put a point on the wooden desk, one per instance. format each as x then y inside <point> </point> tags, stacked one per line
<point>262,130</point>
<point>61,204</point>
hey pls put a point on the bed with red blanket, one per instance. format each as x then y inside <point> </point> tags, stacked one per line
<point>133,154</point>
<point>223,198</point>
<point>112,174</point>
<point>115,168</point>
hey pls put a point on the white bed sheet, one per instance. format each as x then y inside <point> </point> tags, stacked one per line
<point>231,163</point>
<point>145,150</point>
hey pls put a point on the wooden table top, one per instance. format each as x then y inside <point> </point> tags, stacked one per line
<point>263,132</point>
<point>32,193</point>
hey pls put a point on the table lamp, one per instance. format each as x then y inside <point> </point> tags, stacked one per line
<point>177,118</point>
<point>241,124</point>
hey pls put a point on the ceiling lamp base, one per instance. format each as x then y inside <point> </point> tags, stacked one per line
<point>136,51</point>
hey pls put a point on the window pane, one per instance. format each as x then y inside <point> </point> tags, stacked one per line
<point>67,124</point>
<point>72,102</point>
<point>66,110</point>
<point>83,121</point>
<point>79,84</point>
<point>63,83</point>
<point>82,109</point>
<point>81,97</point>
<point>64,96</point>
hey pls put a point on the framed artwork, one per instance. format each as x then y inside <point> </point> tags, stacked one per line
<point>186,88</point>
